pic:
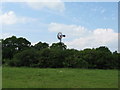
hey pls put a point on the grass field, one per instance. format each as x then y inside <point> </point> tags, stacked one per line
<point>58,78</point>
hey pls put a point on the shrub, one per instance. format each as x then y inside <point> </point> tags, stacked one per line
<point>28,57</point>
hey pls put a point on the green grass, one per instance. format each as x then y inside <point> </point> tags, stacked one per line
<point>58,78</point>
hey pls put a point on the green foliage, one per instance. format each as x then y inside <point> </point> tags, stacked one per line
<point>44,58</point>
<point>59,45</point>
<point>28,58</point>
<point>19,52</point>
<point>12,45</point>
<point>22,44</point>
<point>56,58</point>
<point>70,58</point>
<point>104,56</point>
<point>40,46</point>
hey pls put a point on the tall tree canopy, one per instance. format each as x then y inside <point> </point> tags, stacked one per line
<point>20,52</point>
<point>41,46</point>
<point>59,45</point>
<point>12,45</point>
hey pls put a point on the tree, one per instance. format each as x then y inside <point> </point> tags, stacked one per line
<point>70,58</point>
<point>59,45</point>
<point>103,49</point>
<point>13,45</point>
<point>29,57</point>
<point>51,58</point>
<point>40,46</point>
<point>9,46</point>
<point>23,44</point>
<point>104,57</point>
<point>56,58</point>
<point>44,58</point>
<point>19,52</point>
<point>89,56</point>
<point>115,60</point>
<point>118,60</point>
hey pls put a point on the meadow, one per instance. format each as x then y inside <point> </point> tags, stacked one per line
<point>23,77</point>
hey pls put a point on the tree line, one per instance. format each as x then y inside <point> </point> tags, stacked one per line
<point>19,52</point>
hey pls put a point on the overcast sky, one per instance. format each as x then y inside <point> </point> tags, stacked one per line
<point>85,24</point>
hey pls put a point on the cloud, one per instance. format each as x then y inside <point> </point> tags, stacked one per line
<point>80,37</point>
<point>69,30</point>
<point>10,18</point>
<point>57,5</point>
<point>98,37</point>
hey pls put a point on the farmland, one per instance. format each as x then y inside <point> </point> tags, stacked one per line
<point>23,77</point>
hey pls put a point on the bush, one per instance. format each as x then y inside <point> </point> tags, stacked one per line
<point>44,58</point>
<point>7,62</point>
<point>51,58</point>
<point>28,57</point>
<point>19,52</point>
<point>80,63</point>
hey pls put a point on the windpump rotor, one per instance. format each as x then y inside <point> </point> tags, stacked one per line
<point>60,36</point>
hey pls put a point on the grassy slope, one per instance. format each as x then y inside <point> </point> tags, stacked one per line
<point>58,78</point>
